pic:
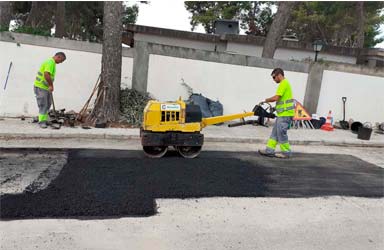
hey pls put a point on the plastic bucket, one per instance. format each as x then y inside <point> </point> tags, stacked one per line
<point>355,127</point>
<point>364,133</point>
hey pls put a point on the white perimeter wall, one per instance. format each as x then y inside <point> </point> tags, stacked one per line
<point>365,99</point>
<point>75,78</point>
<point>238,88</point>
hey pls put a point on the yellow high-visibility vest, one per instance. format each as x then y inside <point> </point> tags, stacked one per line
<point>285,106</point>
<point>47,66</point>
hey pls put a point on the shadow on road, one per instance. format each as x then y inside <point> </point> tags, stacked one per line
<point>112,183</point>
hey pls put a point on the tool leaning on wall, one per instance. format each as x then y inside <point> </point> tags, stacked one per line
<point>5,84</point>
<point>344,124</point>
<point>6,80</point>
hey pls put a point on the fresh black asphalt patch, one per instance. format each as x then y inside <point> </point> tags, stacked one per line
<point>113,183</point>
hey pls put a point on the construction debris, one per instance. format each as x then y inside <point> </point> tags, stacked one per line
<point>63,118</point>
<point>380,128</point>
<point>100,124</point>
<point>132,104</point>
<point>208,107</point>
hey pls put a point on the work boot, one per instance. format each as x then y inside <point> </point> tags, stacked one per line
<point>282,155</point>
<point>264,152</point>
<point>43,125</point>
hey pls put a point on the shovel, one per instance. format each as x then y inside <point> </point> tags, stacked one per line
<point>55,122</point>
<point>344,124</point>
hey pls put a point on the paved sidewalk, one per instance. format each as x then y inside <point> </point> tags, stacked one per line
<point>16,129</point>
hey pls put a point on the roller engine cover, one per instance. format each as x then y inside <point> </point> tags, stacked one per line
<point>193,113</point>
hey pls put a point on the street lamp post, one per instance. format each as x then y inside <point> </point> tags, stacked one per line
<point>317,46</point>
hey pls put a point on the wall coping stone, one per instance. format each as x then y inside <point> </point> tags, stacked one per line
<point>54,42</point>
<point>247,39</point>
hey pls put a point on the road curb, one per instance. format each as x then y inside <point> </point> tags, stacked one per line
<point>344,143</point>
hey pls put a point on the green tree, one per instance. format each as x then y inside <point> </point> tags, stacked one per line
<point>360,24</point>
<point>254,19</point>
<point>83,20</point>
<point>278,27</point>
<point>5,15</point>
<point>130,14</point>
<point>257,18</point>
<point>336,23</point>
<point>374,19</point>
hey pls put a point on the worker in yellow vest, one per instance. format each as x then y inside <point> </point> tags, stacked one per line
<point>285,109</point>
<point>43,86</point>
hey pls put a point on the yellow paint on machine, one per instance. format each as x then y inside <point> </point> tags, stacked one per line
<point>170,116</point>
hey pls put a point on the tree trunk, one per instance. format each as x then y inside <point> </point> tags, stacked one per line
<point>5,14</point>
<point>277,29</point>
<point>60,19</point>
<point>107,109</point>
<point>33,14</point>
<point>360,24</point>
<point>40,15</point>
<point>252,16</point>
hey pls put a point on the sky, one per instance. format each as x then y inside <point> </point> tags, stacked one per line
<point>169,14</point>
<point>172,14</point>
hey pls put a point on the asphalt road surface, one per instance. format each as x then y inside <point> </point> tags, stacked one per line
<point>115,183</point>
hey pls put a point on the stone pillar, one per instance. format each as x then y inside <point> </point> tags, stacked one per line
<point>312,92</point>
<point>140,66</point>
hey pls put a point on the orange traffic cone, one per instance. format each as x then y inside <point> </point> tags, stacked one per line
<point>328,126</point>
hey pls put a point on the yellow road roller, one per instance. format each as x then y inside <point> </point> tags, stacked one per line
<point>179,125</point>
